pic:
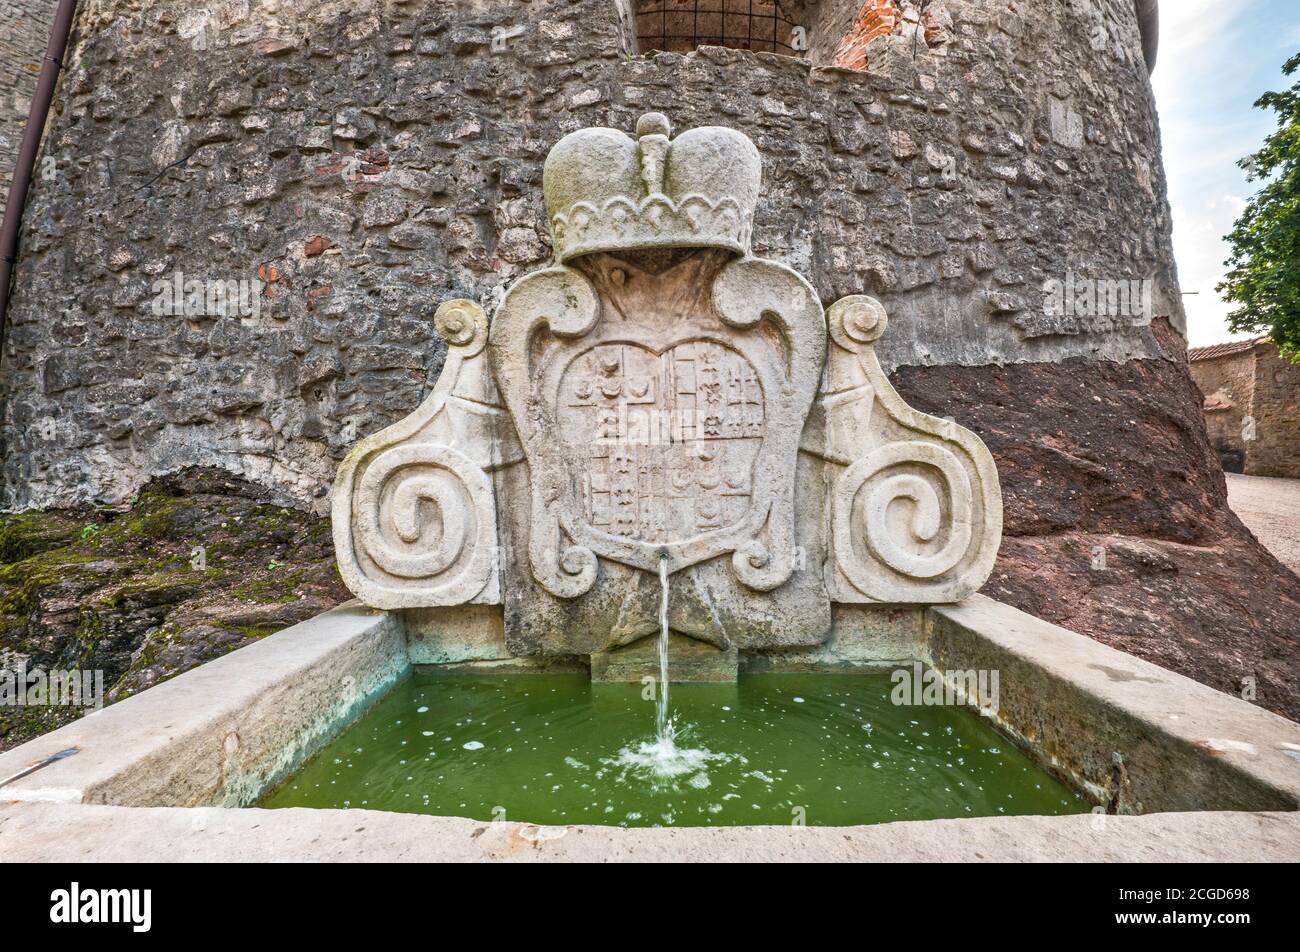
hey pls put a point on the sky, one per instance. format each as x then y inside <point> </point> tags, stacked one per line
<point>1216,58</point>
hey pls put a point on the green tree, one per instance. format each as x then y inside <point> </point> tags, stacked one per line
<point>1264,275</point>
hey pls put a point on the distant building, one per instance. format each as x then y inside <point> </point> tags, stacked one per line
<point>1252,406</point>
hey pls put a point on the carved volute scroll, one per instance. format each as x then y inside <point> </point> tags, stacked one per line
<point>562,302</point>
<point>413,508</point>
<point>916,508</point>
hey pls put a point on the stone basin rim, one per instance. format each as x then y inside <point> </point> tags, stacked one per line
<point>221,734</point>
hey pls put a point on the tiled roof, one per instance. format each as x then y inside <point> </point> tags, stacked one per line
<point>1223,350</point>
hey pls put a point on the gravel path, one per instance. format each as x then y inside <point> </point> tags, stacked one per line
<point>1270,508</point>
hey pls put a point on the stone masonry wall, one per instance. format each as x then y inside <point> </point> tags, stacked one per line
<point>360,162</point>
<point>1275,450</point>
<point>1252,407</point>
<point>1228,384</point>
<point>24,33</point>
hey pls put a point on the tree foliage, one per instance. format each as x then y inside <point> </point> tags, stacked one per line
<point>1264,271</point>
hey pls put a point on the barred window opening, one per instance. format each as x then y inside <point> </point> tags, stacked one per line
<point>680,26</point>
<point>825,32</point>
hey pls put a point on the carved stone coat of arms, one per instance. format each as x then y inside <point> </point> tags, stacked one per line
<point>661,400</point>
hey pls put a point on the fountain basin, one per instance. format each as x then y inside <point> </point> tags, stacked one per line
<point>815,749</point>
<point>226,734</point>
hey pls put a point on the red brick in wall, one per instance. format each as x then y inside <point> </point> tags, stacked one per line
<point>876,18</point>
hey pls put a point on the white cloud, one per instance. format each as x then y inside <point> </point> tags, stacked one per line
<point>1202,251</point>
<point>1212,68</point>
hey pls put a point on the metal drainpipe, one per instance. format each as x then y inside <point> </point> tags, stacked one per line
<point>31,143</point>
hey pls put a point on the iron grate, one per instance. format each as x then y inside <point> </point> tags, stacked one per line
<point>679,26</point>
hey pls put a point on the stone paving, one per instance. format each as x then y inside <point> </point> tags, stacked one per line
<point>1270,508</point>
<point>56,832</point>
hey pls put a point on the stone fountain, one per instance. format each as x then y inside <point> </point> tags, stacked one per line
<point>659,405</point>
<point>662,396</point>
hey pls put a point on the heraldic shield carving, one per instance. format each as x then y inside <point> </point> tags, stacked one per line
<point>659,398</point>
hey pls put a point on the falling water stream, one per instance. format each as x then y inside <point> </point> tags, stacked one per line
<point>662,759</point>
<point>663,727</point>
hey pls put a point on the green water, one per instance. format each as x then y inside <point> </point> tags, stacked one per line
<point>827,750</point>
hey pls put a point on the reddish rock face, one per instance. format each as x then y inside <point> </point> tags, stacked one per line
<point>1116,518</point>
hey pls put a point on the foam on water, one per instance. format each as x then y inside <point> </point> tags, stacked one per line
<point>661,760</point>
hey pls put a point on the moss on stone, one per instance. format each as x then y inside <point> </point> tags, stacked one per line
<point>273,586</point>
<point>160,588</point>
<point>249,631</point>
<point>26,534</point>
<point>114,589</point>
<point>151,518</point>
<point>145,657</point>
<point>90,628</point>
<point>21,582</point>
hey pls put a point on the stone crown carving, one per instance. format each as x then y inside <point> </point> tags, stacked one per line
<point>608,192</point>
<point>662,397</point>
